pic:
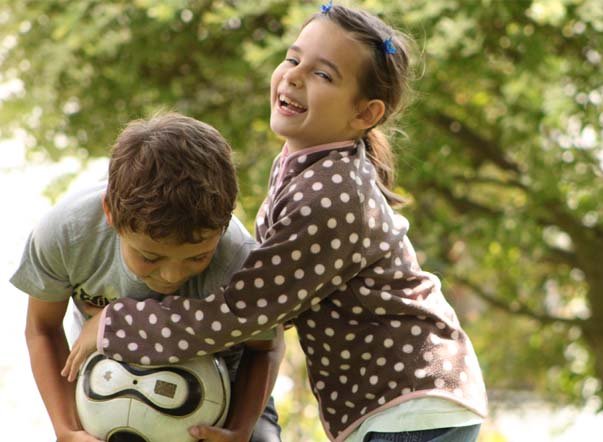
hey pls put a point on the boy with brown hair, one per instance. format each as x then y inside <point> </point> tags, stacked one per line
<point>161,225</point>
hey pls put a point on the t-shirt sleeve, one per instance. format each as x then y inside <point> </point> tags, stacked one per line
<point>306,255</point>
<point>42,271</point>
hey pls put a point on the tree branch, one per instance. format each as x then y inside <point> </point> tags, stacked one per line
<point>520,309</point>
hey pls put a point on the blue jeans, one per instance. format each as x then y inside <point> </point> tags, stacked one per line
<point>452,434</point>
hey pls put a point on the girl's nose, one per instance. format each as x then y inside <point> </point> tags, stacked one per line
<point>293,77</point>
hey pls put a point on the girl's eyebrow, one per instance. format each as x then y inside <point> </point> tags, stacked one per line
<point>322,60</point>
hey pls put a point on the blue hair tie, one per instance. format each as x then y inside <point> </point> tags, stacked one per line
<point>388,46</point>
<point>326,8</point>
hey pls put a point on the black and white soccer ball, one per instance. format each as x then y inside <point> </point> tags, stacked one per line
<point>119,402</point>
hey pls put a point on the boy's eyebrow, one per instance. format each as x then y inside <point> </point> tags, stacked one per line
<point>320,59</point>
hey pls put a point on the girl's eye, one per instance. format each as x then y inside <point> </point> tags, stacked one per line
<point>324,75</point>
<point>199,258</point>
<point>293,61</point>
<point>149,260</point>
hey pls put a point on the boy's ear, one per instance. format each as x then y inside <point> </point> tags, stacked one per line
<point>369,114</point>
<point>107,211</point>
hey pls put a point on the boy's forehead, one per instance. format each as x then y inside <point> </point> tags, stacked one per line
<point>172,245</point>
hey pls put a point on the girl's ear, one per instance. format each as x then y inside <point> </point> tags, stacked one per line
<point>369,114</point>
<point>107,211</point>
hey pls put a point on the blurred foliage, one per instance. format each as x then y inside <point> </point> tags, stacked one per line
<point>500,153</point>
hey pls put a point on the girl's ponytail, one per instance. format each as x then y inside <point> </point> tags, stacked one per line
<point>380,153</point>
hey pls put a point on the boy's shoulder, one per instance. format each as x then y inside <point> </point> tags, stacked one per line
<point>78,214</point>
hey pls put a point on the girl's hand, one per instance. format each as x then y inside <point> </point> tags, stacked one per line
<point>77,436</point>
<point>215,434</point>
<point>83,347</point>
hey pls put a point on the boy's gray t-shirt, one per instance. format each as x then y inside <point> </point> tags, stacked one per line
<point>74,253</point>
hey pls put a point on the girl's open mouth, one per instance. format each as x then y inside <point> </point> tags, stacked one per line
<point>290,106</point>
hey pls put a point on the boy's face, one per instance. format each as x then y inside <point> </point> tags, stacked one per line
<point>165,265</point>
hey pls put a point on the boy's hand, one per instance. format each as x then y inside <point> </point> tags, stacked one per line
<point>77,436</point>
<point>83,347</point>
<point>215,434</point>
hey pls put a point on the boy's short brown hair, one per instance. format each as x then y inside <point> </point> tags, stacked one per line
<point>171,176</point>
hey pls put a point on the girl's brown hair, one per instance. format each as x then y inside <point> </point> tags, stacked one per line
<point>387,76</point>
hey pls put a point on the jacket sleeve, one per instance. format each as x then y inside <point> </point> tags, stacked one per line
<point>307,253</point>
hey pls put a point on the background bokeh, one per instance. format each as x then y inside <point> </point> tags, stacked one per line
<point>500,156</point>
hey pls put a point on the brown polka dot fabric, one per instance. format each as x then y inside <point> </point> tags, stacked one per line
<point>336,262</point>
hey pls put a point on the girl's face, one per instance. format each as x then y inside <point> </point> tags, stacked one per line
<point>314,93</point>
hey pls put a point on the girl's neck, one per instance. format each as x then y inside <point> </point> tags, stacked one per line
<point>292,149</point>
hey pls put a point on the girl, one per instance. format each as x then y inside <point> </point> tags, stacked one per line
<point>387,358</point>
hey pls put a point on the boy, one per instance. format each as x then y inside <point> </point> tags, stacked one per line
<point>162,225</point>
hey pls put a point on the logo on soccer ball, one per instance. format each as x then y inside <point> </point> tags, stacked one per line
<point>120,402</point>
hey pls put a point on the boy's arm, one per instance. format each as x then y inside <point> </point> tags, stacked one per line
<point>48,350</point>
<point>255,379</point>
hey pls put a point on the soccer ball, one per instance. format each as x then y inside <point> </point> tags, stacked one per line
<point>119,402</point>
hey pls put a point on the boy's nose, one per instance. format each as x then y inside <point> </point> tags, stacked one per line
<point>173,273</point>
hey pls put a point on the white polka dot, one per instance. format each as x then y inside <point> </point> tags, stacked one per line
<point>118,306</point>
<point>350,337</point>
<point>384,246</point>
<point>415,330</point>
<point>309,174</point>
<point>320,385</point>
<point>152,318</point>
<point>276,260</point>
<point>315,248</point>
<point>279,280</point>
<point>120,334</point>
<point>258,282</point>
<point>190,331</point>
<point>336,178</point>
<point>420,373</point>
<point>332,223</point>
<point>317,186</point>
<point>336,243</point>
<point>239,285</point>
<point>140,306</point>
<point>366,242</point>
<point>209,341</point>
<point>381,361</point>
<point>182,344</point>
<point>173,359</point>
<point>373,380</point>
<point>175,317</point>
<point>158,348</point>
<point>350,218</point>
<point>325,202</point>
<point>282,299</point>
<point>143,334</point>
<point>319,269</point>
<point>302,294</point>
<point>356,257</point>
<point>399,366</point>
<point>327,164</point>
<point>216,326</point>
<point>388,343</point>
<point>240,305</point>
<point>366,356</point>
<point>369,338</point>
<point>145,360</point>
<point>236,333</point>
<point>344,197</point>
<point>298,196</point>
<point>336,280</point>
<point>262,319</point>
<point>343,379</point>
<point>166,332</point>
<point>306,211</point>
<point>312,229</point>
<point>407,348</point>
